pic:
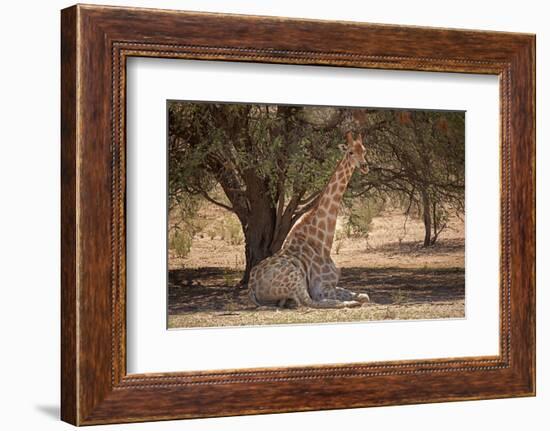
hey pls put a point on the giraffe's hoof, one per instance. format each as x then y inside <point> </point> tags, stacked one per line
<point>362,297</point>
<point>350,304</point>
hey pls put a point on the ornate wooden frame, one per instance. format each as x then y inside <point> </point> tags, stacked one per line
<point>95,43</point>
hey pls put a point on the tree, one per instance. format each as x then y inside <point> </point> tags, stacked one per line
<point>417,156</point>
<point>270,161</point>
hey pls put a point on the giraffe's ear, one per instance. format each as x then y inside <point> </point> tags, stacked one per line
<point>349,138</point>
<point>343,147</point>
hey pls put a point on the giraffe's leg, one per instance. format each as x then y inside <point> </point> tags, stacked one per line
<point>258,304</point>
<point>330,289</point>
<point>273,282</point>
<point>348,295</point>
<point>264,288</point>
<point>277,280</point>
<point>304,300</point>
<point>342,294</point>
<point>318,299</point>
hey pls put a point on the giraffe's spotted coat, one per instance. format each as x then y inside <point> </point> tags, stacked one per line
<point>303,270</point>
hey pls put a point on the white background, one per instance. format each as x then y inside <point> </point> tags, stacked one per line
<point>29,220</point>
<point>151,348</point>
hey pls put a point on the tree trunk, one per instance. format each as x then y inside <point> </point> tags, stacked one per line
<point>256,248</point>
<point>257,213</point>
<point>427,217</point>
<point>261,241</point>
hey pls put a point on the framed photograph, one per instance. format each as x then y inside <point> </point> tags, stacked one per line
<point>264,214</point>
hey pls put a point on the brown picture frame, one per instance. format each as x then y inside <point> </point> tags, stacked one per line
<point>95,43</point>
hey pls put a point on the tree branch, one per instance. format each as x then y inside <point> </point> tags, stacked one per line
<point>209,198</point>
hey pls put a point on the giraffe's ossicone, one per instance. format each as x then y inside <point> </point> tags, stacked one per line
<point>302,270</point>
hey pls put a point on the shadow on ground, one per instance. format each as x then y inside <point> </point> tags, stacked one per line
<point>213,289</point>
<point>415,248</point>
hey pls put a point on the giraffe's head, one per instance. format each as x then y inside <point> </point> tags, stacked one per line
<point>357,151</point>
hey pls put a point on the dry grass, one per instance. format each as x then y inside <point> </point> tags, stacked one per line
<point>404,280</point>
<point>369,312</point>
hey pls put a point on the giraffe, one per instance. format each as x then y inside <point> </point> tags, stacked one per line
<point>302,270</point>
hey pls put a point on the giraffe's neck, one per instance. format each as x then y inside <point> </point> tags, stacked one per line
<point>319,224</point>
<point>326,212</point>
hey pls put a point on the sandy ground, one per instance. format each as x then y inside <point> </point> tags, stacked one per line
<point>389,244</point>
<point>403,279</point>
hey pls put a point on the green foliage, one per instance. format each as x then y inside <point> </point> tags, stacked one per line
<point>417,158</point>
<point>184,225</point>
<point>227,229</point>
<point>238,144</point>
<point>271,161</point>
<point>180,243</point>
<point>232,231</point>
<point>361,214</point>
